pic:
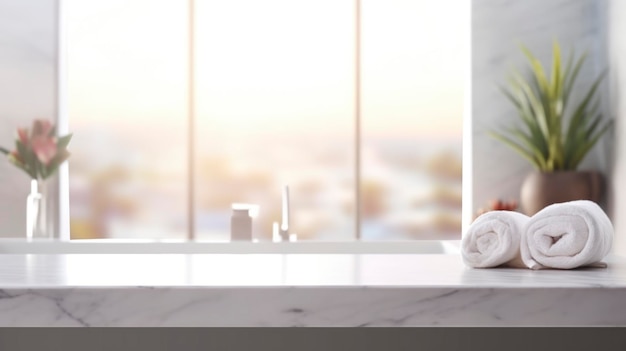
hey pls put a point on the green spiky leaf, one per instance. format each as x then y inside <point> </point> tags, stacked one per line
<point>544,137</point>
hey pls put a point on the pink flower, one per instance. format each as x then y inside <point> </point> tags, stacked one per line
<point>41,127</point>
<point>39,151</point>
<point>41,141</point>
<point>22,135</point>
<point>44,147</point>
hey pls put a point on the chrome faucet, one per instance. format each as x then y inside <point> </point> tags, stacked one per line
<point>284,225</point>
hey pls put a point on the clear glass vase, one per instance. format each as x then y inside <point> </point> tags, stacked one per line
<point>36,211</point>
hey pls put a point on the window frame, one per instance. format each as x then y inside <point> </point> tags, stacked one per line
<point>61,184</point>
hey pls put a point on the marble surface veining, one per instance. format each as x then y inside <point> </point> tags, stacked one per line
<point>300,290</point>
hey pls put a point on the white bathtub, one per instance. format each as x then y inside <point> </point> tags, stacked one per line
<point>117,246</point>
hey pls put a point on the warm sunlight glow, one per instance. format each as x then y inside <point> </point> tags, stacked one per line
<point>116,41</point>
<point>274,106</point>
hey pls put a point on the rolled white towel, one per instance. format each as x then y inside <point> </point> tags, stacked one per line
<point>493,240</point>
<point>567,235</point>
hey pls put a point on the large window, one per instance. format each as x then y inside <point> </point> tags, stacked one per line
<point>358,109</point>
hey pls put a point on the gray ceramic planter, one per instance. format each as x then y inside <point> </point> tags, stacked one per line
<point>542,189</point>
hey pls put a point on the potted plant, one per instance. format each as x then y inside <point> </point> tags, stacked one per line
<point>554,135</point>
<point>38,152</point>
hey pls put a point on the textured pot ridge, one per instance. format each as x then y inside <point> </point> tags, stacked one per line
<point>541,189</point>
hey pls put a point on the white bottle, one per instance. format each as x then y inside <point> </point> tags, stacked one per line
<point>241,225</point>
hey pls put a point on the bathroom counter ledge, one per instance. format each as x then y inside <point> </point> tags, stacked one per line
<point>300,290</point>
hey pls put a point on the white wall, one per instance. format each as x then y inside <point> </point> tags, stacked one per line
<point>617,60</point>
<point>27,91</point>
<point>498,26</point>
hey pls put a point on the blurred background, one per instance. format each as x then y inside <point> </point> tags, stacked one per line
<point>274,105</point>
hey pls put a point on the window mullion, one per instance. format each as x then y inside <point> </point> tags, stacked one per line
<point>191,226</point>
<point>357,118</point>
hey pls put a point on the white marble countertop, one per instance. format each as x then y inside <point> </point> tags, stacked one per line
<point>299,290</point>
<point>315,270</point>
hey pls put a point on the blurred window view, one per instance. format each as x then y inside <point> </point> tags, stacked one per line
<point>274,106</point>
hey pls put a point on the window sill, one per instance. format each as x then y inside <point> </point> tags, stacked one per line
<point>121,246</point>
